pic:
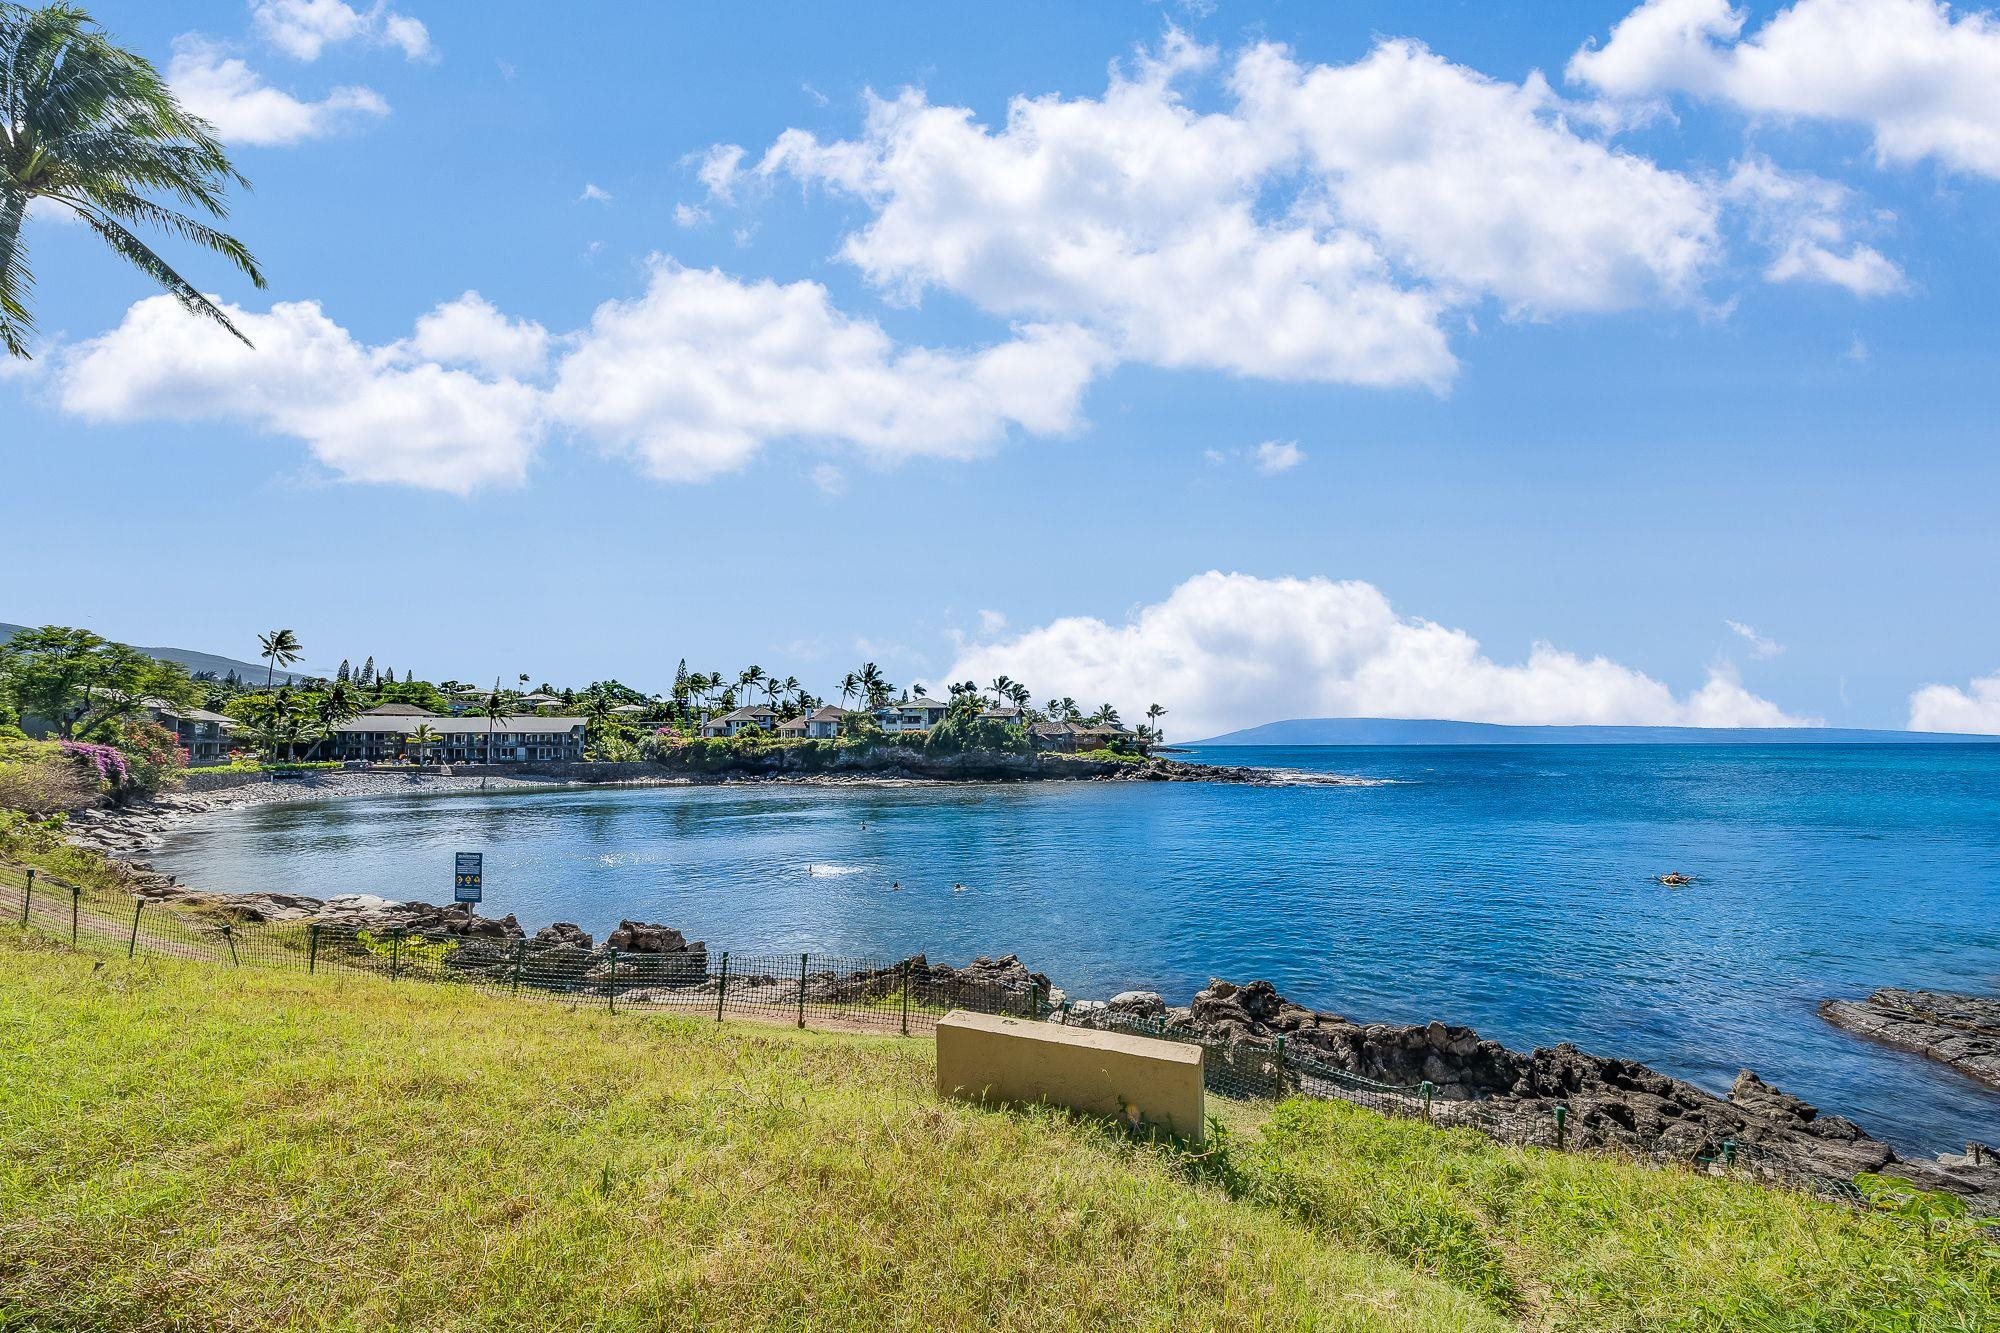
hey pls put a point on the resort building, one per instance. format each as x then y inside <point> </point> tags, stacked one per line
<point>741,719</point>
<point>918,714</point>
<point>825,723</point>
<point>384,734</point>
<point>204,735</point>
<point>820,725</point>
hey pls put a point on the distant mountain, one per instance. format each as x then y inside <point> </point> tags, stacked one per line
<point>1435,731</point>
<point>196,662</point>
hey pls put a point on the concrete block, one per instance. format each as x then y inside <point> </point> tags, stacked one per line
<point>994,1058</point>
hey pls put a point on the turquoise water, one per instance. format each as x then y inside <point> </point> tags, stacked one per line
<point>1506,887</point>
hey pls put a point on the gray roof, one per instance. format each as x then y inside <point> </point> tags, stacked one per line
<point>396,710</point>
<point>918,702</point>
<point>461,726</point>
<point>827,714</point>
<point>745,714</point>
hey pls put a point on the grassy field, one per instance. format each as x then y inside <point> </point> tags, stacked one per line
<point>188,1146</point>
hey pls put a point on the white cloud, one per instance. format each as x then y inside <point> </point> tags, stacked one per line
<point>695,376</point>
<point>303,29</point>
<point>471,331</point>
<point>1975,709</point>
<point>1275,456</point>
<point>1481,185</point>
<point>593,194</point>
<point>830,479</point>
<point>1761,648</point>
<point>1857,351</point>
<point>1805,222</point>
<point>718,169</point>
<point>686,215</point>
<point>226,92</point>
<point>992,622</point>
<point>375,414</point>
<point>1231,650</point>
<point>1924,82</point>
<point>1321,227</point>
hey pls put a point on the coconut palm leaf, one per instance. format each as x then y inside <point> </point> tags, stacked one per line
<point>88,126</point>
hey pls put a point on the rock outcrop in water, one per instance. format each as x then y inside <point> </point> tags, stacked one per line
<point>1610,1102</point>
<point>1962,1031</point>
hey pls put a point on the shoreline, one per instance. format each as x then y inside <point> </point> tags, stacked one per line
<point>123,832</point>
<point>1606,1092</point>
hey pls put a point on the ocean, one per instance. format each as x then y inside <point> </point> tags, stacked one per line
<point>1511,888</point>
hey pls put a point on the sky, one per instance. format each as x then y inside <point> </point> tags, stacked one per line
<point>1622,362</point>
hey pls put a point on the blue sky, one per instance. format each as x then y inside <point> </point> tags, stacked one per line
<point>1699,331</point>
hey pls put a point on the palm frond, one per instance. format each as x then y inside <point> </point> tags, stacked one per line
<point>140,255</point>
<point>129,207</point>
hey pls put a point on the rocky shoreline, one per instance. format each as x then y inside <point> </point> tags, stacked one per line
<point>1962,1031</point>
<point>1611,1102</point>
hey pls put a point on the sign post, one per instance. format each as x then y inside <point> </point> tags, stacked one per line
<point>467,876</point>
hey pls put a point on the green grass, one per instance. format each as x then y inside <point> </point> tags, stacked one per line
<point>190,1146</point>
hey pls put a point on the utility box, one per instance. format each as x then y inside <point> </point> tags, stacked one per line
<point>994,1058</point>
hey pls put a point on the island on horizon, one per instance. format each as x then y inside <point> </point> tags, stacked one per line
<point>1444,731</point>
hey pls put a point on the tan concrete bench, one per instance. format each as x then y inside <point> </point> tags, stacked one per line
<point>989,1057</point>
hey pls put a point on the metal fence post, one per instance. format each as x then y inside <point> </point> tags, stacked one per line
<point>395,953</point>
<point>1427,1088</point>
<point>722,986</point>
<point>802,990</point>
<point>75,904</point>
<point>132,945</point>
<point>520,957</point>
<point>1562,1122</point>
<point>906,997</point>
<point>229,938</point>
<point>1279,1070</point>
<point>611,983</point>
<point>27,895</point>
<point>312,948</point>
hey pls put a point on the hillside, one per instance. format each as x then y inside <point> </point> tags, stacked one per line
<point>189,1145</point>
<point>196,661</point>
<point>1439,731</point>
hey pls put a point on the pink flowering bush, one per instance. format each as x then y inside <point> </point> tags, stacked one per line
<point>107,760</point>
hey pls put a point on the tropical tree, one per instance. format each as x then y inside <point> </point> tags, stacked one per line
<point>850,685</point>
<point>599,709</point>
<point>1105,716</point>
<point>1002,688</point>
<point>749,679</point>
<point>93,130</point>
<point>423,738</point>
<point>335,706</point>
<point>1153,715</point>
<point>493,710</point>
<point>1022,696</point>
<point>281,645</point>
<point>80,682</point>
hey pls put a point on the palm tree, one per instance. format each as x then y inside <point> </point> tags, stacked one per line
<point>1002,688</point>
<point>1153,714</point>
<point>751,677</point>
<point>423,738</point>
<point>333,708</point>
<point>280,645</point>
<point>492,710</point>
<point>1105,716</point>
<point>1022,696</point>
<point>599,709</point>
<point>850,685</point>
<point>87,126</point>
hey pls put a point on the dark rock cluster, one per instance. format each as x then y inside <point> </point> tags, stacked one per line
<point>1609,1102</point>
<point>1962,1031</point>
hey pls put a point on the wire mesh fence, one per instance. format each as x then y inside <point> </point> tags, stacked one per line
<point>904,997</point>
